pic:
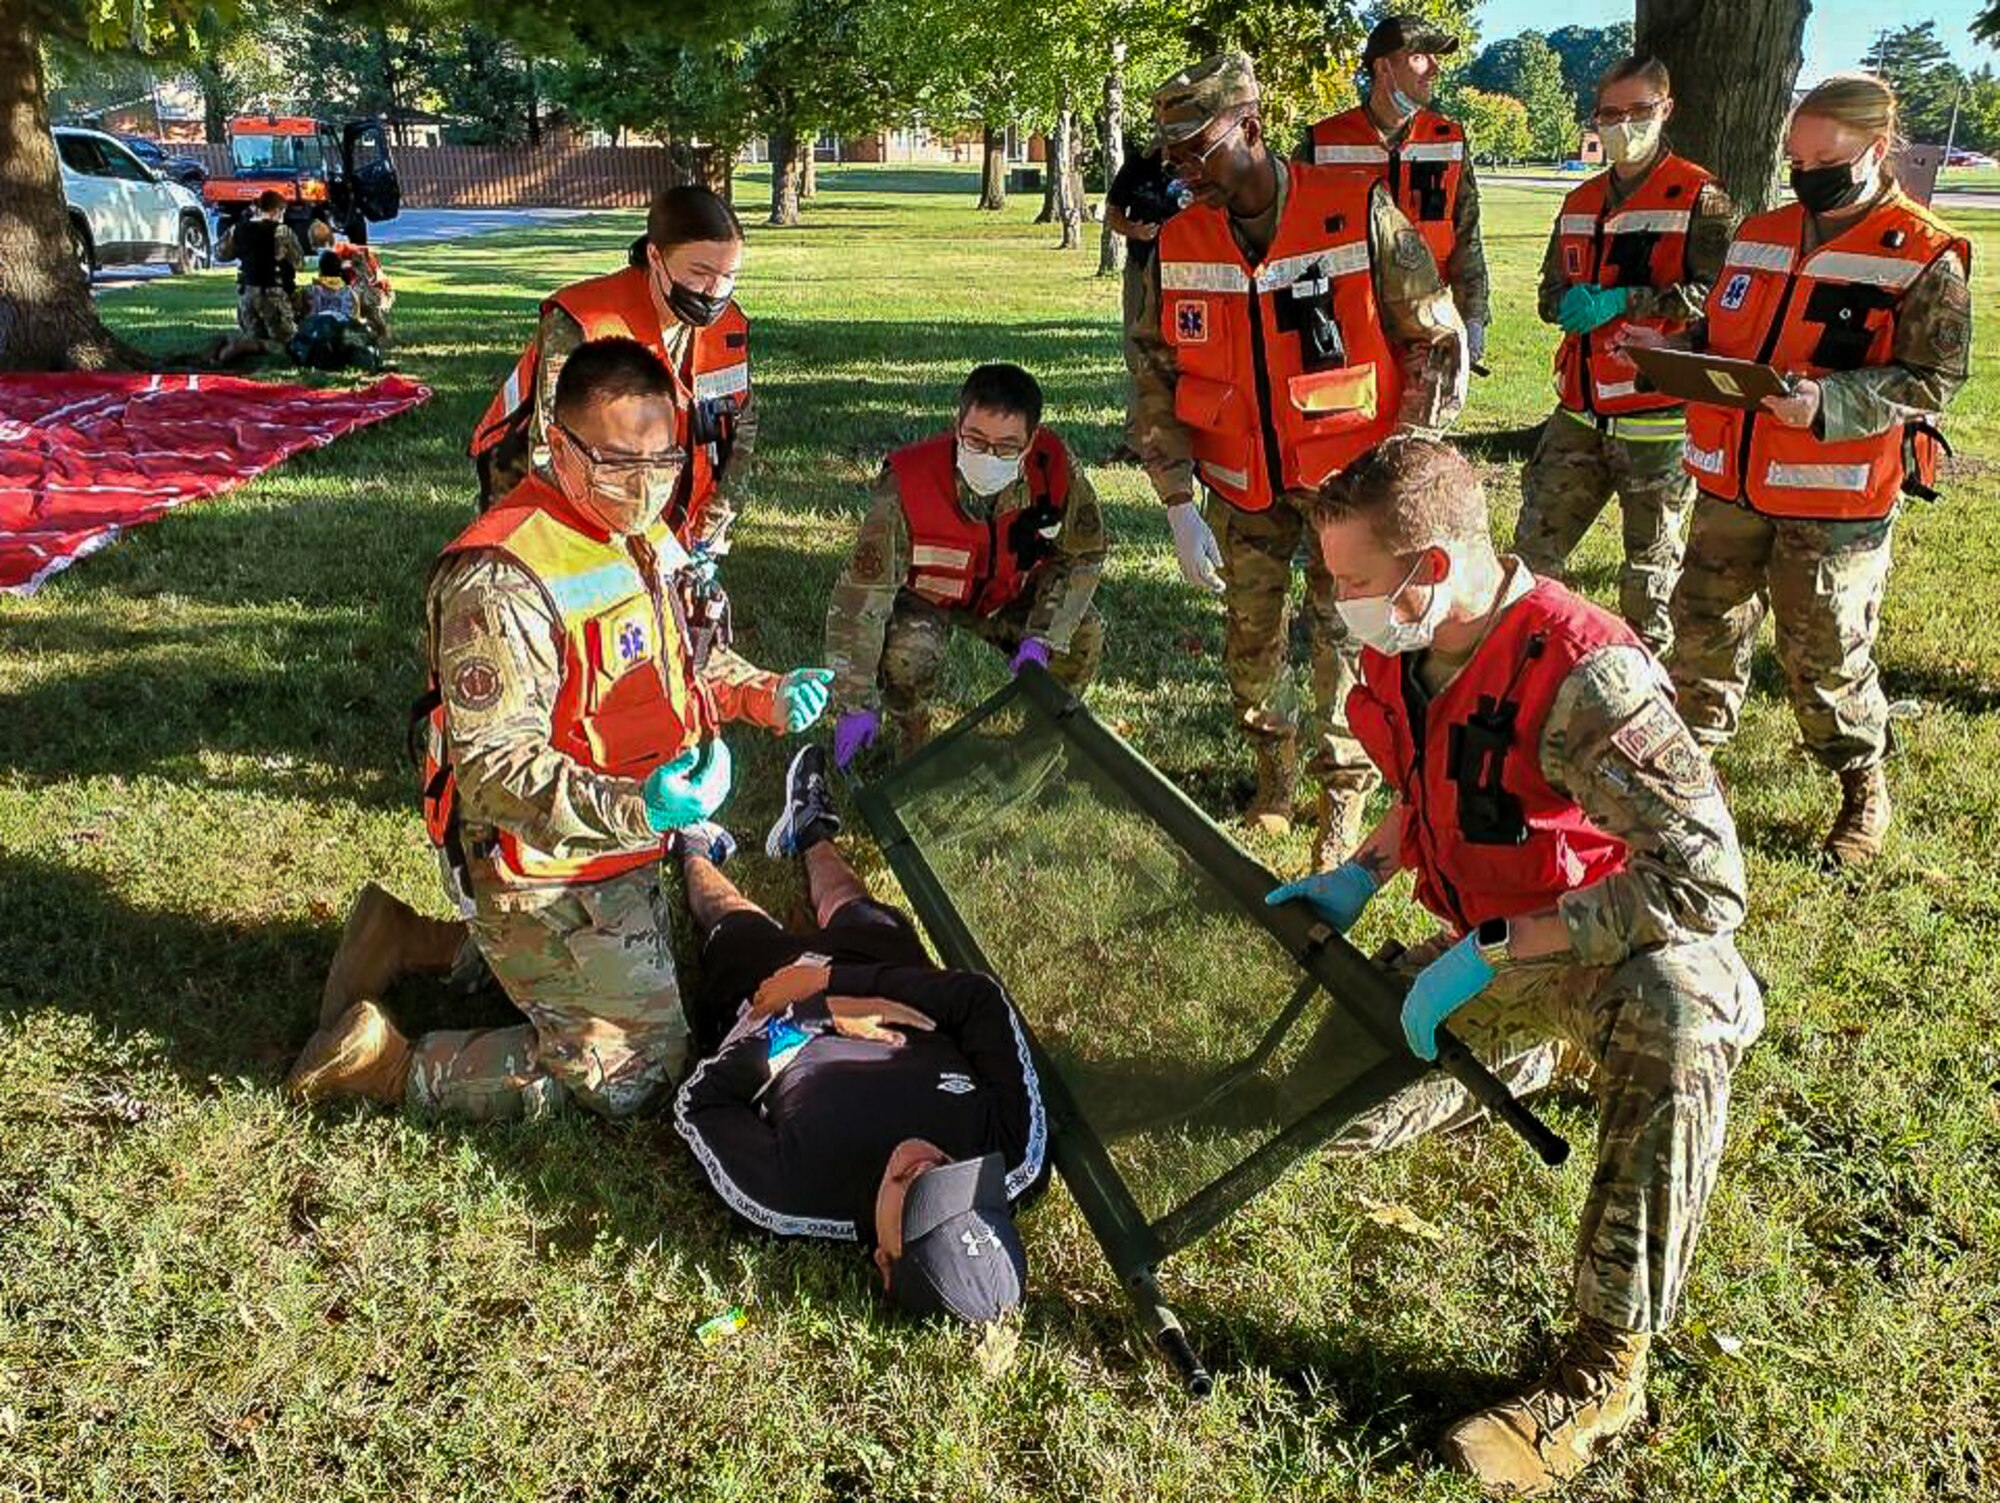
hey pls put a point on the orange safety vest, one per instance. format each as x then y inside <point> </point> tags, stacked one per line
<point>1423,172</point>
<point>628,701</point>
<point>1286,376</point>
<point>1487,835</point>
<point>1641,243</point>
<point>1830,309</point>
<point>958,561</point>
<point>621,306</point>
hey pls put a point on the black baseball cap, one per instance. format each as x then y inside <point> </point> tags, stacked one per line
<point>961,1254</point>
<point>1395,33</point>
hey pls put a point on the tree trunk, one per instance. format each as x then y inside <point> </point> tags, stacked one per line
<point>214,104</point>
<point>1047,215</point>
<point>47,320</point>
<point>785,174</point>
<point>534,107</point>
<point>1110,247</point>
<point>1733,67</point>
<point>809,173</point>
<point>1066,200</point>
<point>993,168</point>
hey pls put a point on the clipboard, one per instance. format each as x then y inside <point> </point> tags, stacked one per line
<point>1715,379</point>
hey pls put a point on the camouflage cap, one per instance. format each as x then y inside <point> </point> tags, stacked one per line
<point>1187,102</point>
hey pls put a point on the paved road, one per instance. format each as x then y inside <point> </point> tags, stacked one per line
<point>407,228</point>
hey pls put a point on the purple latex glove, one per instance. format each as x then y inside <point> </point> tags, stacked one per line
<point>1032,650</point>
<point>855,731</point>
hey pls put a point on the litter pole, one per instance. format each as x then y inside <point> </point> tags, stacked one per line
<point>1168,1334</point>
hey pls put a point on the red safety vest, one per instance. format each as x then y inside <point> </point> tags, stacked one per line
<point>1286,377</point>
<point>1484,833</point>
<point>958,561</point>
<point>621,305</point>
<point>1832,309</point>
<point>1641,243</point>
<point>628,700</point>
<point>1423,172</point>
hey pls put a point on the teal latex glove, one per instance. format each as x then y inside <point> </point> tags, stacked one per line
<point>1337,896</point>
<point>802,697</point>
<point>1584,308</point>
<point>688,789</point>
<point>1441,989</point>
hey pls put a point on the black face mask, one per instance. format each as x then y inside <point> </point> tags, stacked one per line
<point>692,307</point>
<point>1824,189</point>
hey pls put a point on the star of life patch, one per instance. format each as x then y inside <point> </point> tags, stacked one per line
<point>1191,321</point>
<point>1737,289</point>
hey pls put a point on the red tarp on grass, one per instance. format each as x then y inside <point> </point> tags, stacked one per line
<point>84,456</point>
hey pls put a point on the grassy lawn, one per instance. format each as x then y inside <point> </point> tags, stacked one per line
<point>206,1293</point>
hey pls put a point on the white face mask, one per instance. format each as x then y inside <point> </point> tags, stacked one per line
<point>987,474</point>
<point>1373,622</point>
<point>1630,141</point>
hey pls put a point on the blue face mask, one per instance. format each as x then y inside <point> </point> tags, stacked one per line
<point>1402,104</point>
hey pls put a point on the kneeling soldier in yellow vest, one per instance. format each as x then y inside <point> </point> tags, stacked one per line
<point>571,737</point>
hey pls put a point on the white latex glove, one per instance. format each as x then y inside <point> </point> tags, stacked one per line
<point>1201,557</point>
<point>1475,340</point>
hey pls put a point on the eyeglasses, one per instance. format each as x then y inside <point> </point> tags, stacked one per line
<point>622,466</point>
<point>1182,154</point>
<point>977,445</point>
<point>1645,110</point>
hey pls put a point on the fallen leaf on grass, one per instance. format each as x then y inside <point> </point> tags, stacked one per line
<point>995,1350</point>
<point>1401,1219</point>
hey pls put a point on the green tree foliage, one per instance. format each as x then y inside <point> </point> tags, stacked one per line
<point>1527,68</point>
<point>1495,124</point>
<point>1586,51</point>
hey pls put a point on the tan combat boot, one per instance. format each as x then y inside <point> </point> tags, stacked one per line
<point>1863,822</point>
<point>384,938</point>
<point>1524,1447</point>
<point>912,731</point>
<point>1337,822</point>
<point>361,1055</point>
<point>1270,810</point>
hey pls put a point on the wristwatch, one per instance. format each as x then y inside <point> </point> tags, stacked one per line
<point>1492,940</point>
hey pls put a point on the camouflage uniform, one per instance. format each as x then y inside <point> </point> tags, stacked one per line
<point>1258,547</point>
<point>885,643</point>
<point>1581,460</point>
<point>1654,1006</point>
<point>1466,275</point>
<point>267,312</point>
<point>1823,581</point>
<point>557,337</point>
<point>589,965</point>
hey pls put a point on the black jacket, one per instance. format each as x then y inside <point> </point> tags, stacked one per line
<point>801,1152</point>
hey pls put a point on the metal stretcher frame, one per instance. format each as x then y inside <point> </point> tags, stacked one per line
<point>1133,1243</point>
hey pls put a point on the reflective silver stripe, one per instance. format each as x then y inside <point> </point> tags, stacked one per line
<point>1642,221</point>
<point>726,382</point>
<point>511,393</point>
<point>1202,276</point>
<point>1577,224</point>
<point>1760,254</point>
<point>1818,477</point>
<point>1340,261</point>
<point>1851,266</point>
<point>1435,151</point>
<point>1650,428</point>
<point>947,586</point>
<point>1239,479</point>
<point>940,558</point>
<point>1708,461</point>
<point>1616,388</point>
<point>1350,156</point>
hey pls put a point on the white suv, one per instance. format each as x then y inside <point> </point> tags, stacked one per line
<point>121,212</point>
